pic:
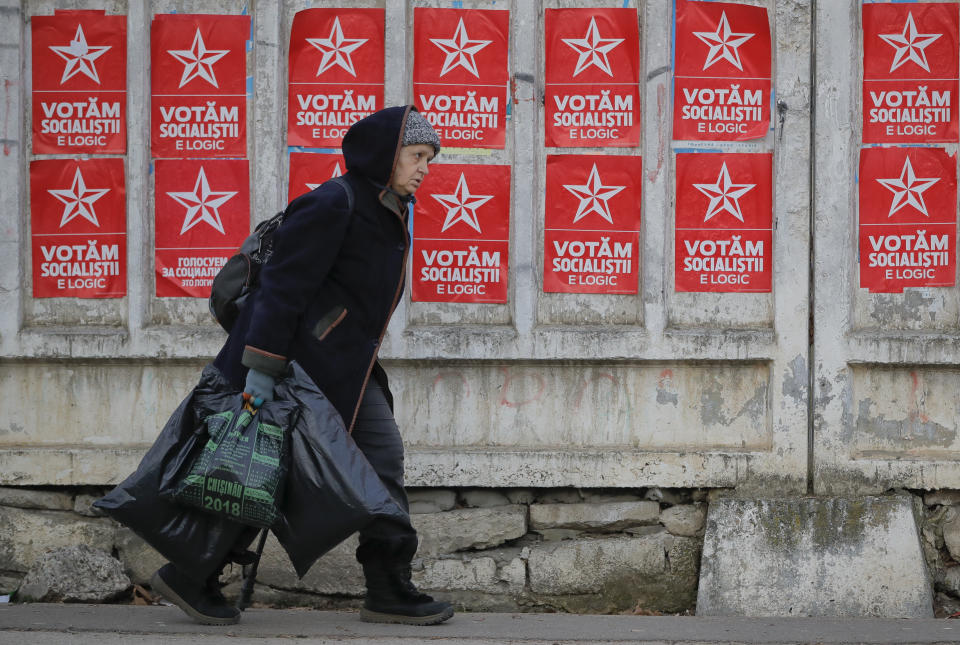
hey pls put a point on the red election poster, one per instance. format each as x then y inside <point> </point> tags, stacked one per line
<point>336,73</point>
<point>592,77</point>
<point>460,74</point>
<point>202,217</point>
<point>79,83</point>
<point>198,71</point>
<point>911,63</point>
<point>461,234</point>
<point>722,82</point>
<point>78,228</point>
<point>591,237</point>
<point>310,169</point>
<point>908,218</point>
<point>724,222</point>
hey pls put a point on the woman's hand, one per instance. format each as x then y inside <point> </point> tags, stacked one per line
<point>259,386</point>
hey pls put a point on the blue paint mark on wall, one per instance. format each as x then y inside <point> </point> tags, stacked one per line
<point>673,44</point>
<point>707,150</point>
<point>332,151</point>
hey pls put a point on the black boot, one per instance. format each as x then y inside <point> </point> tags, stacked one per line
<point>392,598</point>
<point>204,603</point>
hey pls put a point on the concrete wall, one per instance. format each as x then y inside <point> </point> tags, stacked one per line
<point>548,393</point>
<point>661,388</point>
<point>884,397</point>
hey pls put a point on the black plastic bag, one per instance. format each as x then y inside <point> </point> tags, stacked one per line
<point>331,490</point>
<point>240,470</point>
<point>194,540</point>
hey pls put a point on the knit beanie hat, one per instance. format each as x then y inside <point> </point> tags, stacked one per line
<point>419,130</point>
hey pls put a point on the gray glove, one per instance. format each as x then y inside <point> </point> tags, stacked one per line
<point>259,386</point>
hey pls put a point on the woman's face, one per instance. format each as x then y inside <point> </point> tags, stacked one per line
<point>411,168</point>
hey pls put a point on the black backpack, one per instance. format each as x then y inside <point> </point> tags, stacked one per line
<point>238,278</point>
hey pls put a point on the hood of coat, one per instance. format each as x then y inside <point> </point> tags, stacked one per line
<point>372,144</point>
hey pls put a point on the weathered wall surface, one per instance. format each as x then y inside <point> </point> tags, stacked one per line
<point>660,388</point>
<point>885,410</point>
<point>814,557</point>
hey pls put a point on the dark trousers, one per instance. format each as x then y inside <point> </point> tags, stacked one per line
<point>378,437</point>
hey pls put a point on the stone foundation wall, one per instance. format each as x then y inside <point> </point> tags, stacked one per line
<point>596,551</point>
<point>939,523</point>
<point>532,550</point>
<point>563,549</point>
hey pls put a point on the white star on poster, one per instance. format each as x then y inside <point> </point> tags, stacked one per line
<point>593,49</point>
<point>336,173</point>
<point>593,197</point>
<point>460,50</point>
<point>724,195</point>
<point>908,189</point>
<point>79,200</point>
<point>336,49</point>
<point>462,206</point>
<point>724,44</point>
<point>79,56</point>
<point>202,204</point>
<point>198,60</point>
<point>909,45</point>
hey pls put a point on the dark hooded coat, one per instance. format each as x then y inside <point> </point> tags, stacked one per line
<point>335,277</point>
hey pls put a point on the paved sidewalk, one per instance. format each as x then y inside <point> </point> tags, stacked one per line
<point>50,624</point>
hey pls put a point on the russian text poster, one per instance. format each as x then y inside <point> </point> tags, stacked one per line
<point>202,217</point>
<point>79,83</point>
<point>198,72</point>
<point>911,62</point>
<point>461,234</point>
<point>592,77</point>
<point>908,218</point>
<point>722,82</point>
<point>460,74</point>
<point>724,222</point>
<point>310,169</point>
<point>336,73</point>
<point>591,237</point>
<point>78,228</point>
